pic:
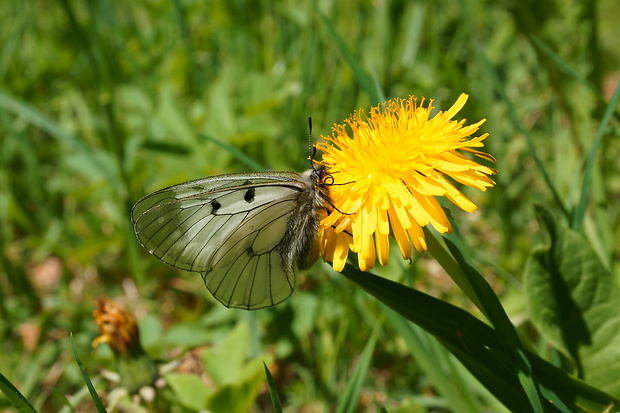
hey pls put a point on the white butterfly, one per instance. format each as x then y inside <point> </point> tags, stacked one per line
<point>246,234</point>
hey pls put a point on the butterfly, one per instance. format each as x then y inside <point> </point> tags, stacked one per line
<point>246,233</point>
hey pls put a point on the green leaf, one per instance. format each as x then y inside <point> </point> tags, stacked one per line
<point>452,382</point>
<point>506,332</point>
<point>224,361</point>
<point>190,390</point>
<point>174,118</point>
<point>15,397</point>
<point>187,335</point>
<point>479,348</point>
<point>238,397</point>
<point>151,331</point>
<point>473,342</point>
<point>573,301</point>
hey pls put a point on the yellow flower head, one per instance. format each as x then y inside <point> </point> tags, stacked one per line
<point>388,173</point>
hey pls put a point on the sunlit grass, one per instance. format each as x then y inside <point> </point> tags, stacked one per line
<point>101,103</point>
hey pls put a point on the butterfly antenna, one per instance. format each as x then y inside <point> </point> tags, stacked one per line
<point>310,146</point>
<point>310,137</point>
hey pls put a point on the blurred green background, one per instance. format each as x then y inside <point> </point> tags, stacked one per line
<point>102,102</point>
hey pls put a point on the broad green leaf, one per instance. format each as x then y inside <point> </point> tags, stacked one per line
<point>224,362</point>
<point>189,389</point>
<point>174,118</point>
<point>573,301</point>
<point>187,335</point>
<point>238,397</point>
<point>474,343</point>
<point>253,368</point>
<point>408,405</point>
<point>151,331</point>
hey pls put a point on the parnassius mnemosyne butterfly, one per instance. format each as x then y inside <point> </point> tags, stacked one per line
<point>247,233</point>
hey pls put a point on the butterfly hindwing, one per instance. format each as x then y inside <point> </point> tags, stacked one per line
<point>229,228</point>
<point>247,270</point>
<point>251,281</point>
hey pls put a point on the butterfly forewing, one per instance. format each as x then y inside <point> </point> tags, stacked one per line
<point>199,187</point>
<point>229,228</point>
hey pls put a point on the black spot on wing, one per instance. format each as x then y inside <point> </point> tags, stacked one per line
<point>249,195</point>
<point>215,205</point>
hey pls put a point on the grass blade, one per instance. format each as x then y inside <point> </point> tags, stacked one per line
<point>273,391</point>
<point>89,384</point>
<point>36,118</point>
<point>15,397</point>
<point>442,370</point>
<point>587,177</point>
<point>563,65</point>
<point>349,401</point>
<point>366,81</point>
<point>66,403</point>
<point>242,157</point>
<point>499,87</point>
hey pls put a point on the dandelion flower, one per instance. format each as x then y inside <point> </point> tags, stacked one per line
<point>387,174</point>
<point>118,327</point>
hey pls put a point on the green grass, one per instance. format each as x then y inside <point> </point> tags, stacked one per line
<point>103,102</point>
